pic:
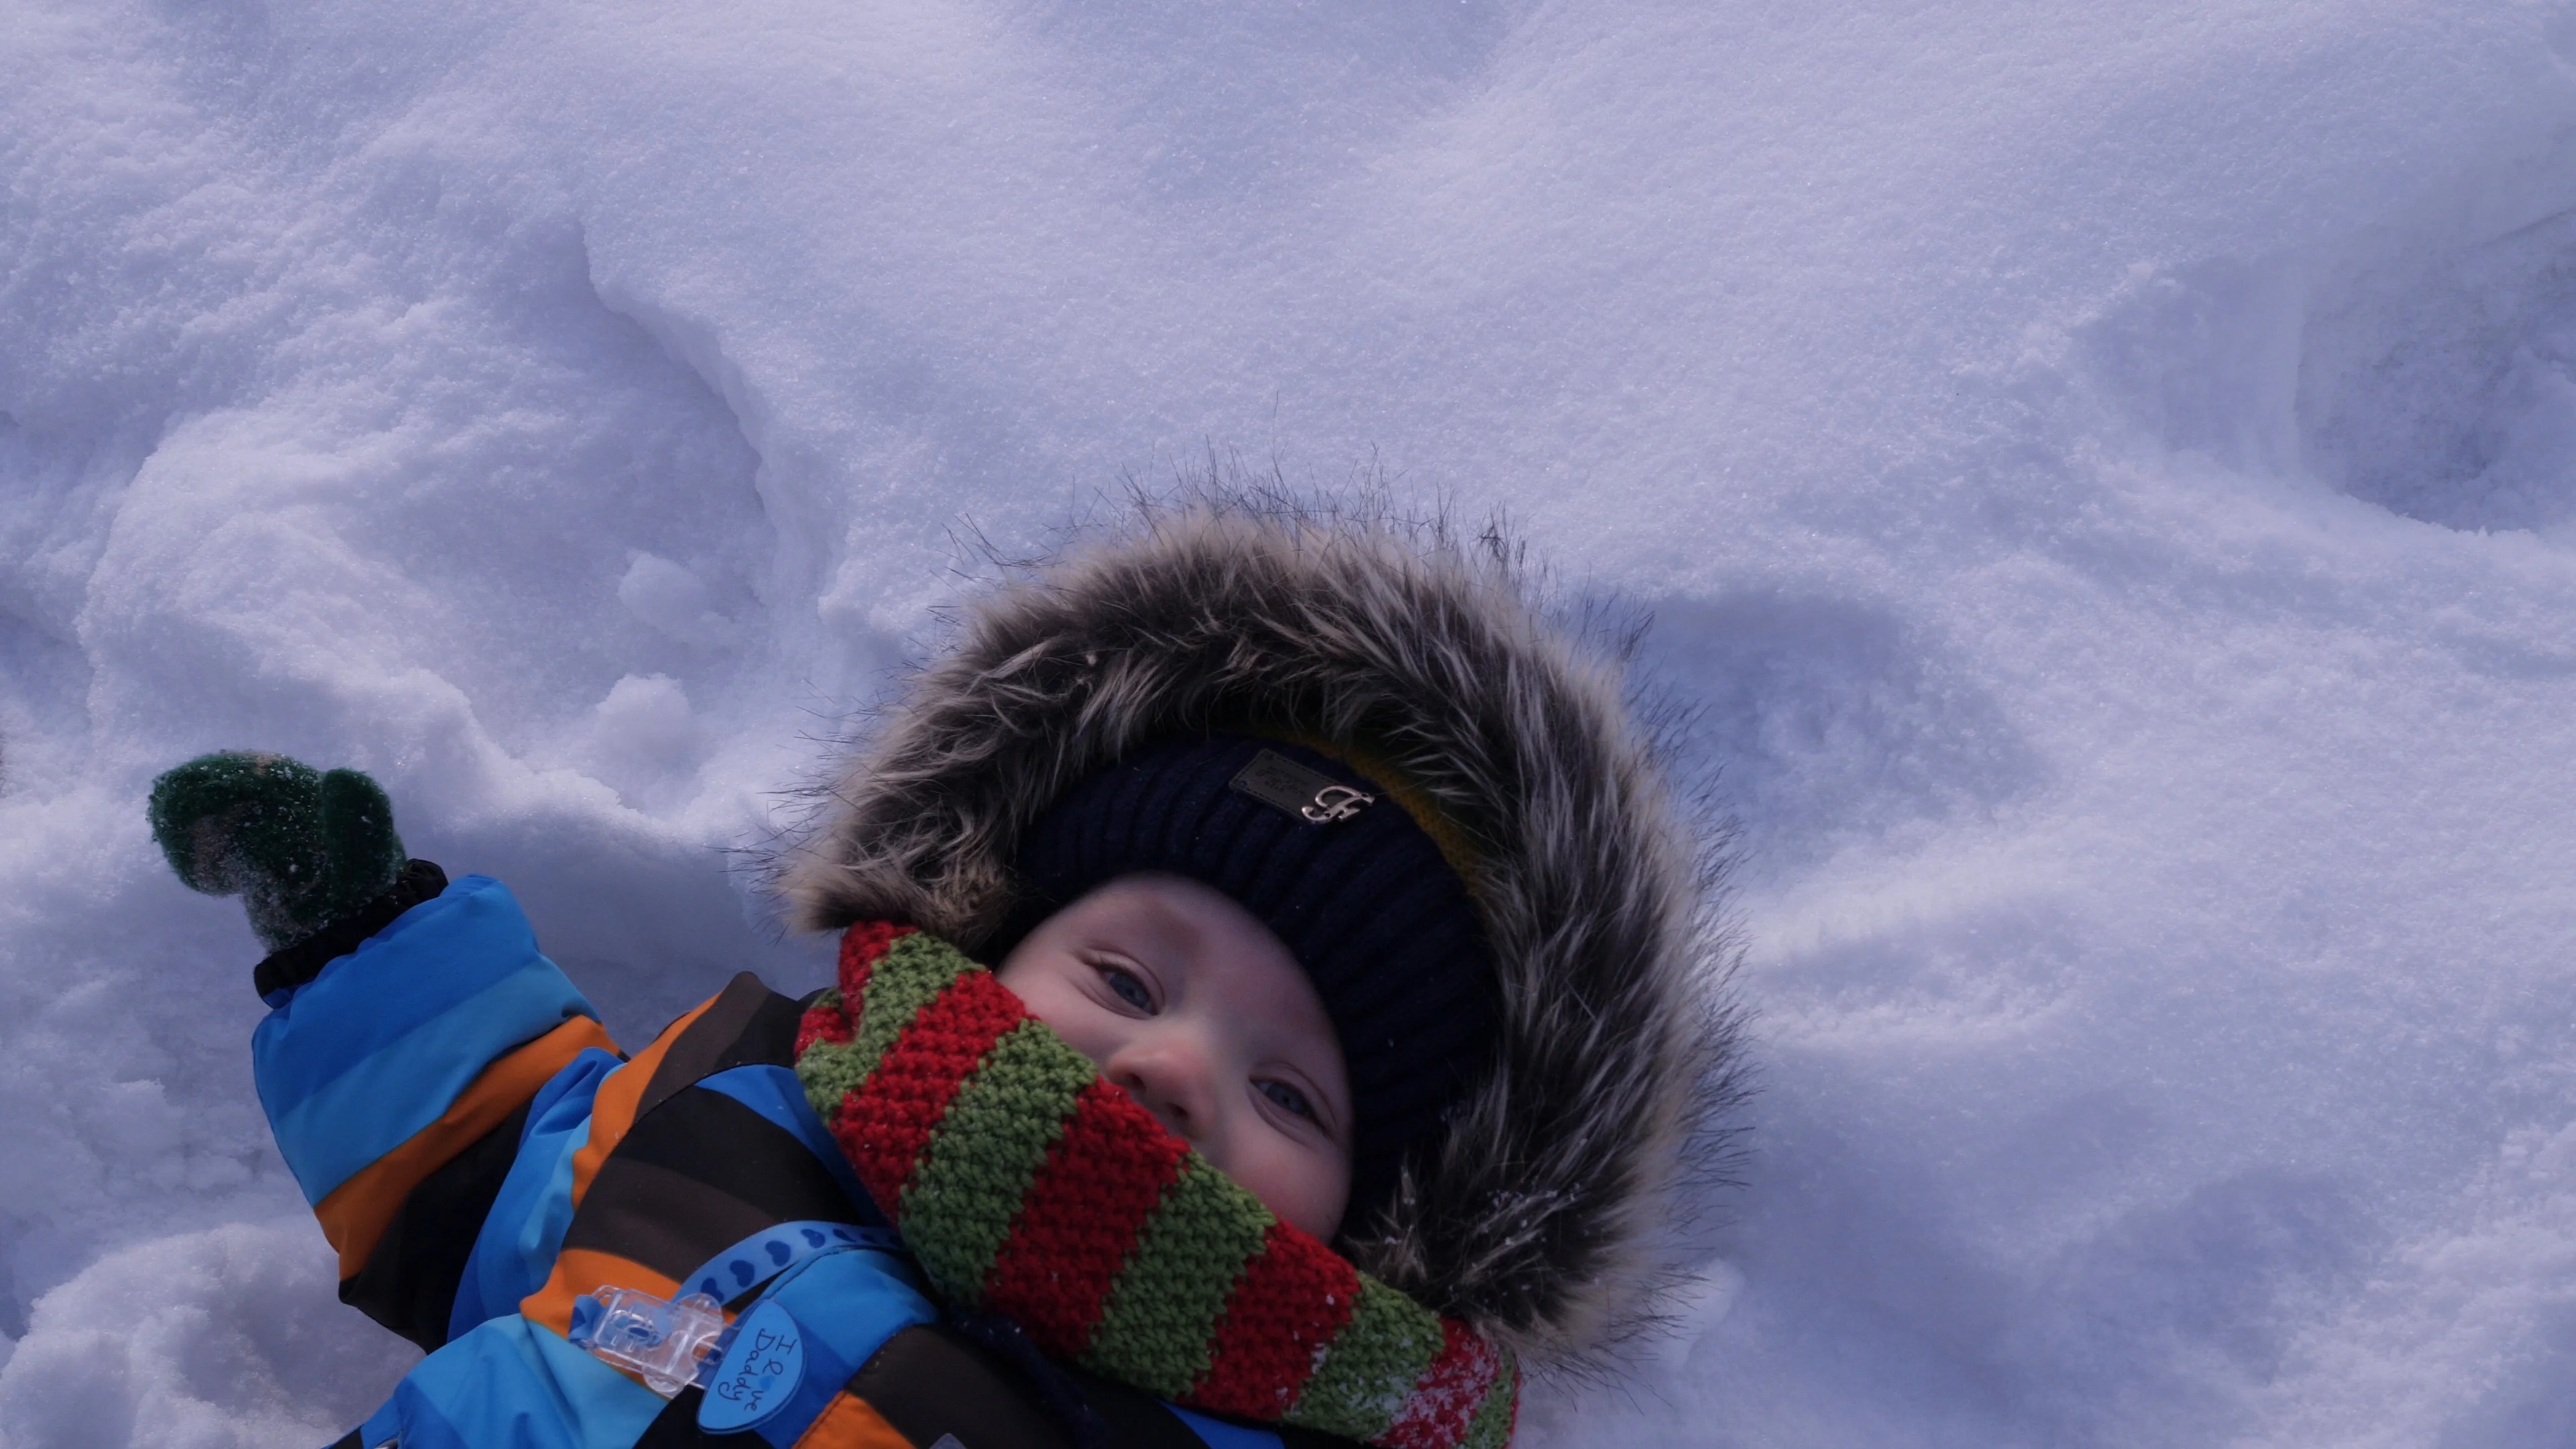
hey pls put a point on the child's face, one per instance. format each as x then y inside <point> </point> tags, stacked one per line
<point>1187,1001</point>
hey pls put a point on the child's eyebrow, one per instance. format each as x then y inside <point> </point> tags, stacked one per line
<point>1149,911</point>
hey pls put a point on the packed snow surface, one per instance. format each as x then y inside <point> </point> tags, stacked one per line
<point>2103,475</point>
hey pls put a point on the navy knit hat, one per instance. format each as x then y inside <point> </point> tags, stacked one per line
<point>1342,873</point>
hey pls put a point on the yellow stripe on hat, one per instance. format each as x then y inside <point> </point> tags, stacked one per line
<point>1455,846</point>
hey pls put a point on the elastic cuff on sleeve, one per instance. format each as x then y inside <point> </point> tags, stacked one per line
<point>276,977</point>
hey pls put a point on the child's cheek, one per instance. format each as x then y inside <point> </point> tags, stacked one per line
<point>1300,1187</point>
<point>1063,1009</point>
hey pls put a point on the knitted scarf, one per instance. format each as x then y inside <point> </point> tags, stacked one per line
<point>1026,1185</point>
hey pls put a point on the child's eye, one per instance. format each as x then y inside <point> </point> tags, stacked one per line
<point>1129,989</point>
<point>1288,1098</point>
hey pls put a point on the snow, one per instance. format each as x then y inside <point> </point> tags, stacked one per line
<point>2105,475</point>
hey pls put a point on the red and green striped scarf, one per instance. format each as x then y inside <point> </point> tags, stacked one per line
<point>1027,1185</point>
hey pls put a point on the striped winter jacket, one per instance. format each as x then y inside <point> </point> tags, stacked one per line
<point>481,1156</point>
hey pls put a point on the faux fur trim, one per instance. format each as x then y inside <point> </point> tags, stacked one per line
<point>1536,1221</point>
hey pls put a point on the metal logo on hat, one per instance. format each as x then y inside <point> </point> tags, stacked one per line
<point>1276,780</point>
<point>1337,802</point>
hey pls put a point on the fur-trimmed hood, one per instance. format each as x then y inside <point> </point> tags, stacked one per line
<point>1424,651</point>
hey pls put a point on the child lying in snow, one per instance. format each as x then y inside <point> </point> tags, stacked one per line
<point>1340,1047</point>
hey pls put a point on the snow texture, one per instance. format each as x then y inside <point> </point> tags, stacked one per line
<point>2105,475</point>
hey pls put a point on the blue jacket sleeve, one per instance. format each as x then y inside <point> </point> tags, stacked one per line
<point>386,1039</point>
<point>400,1083</point>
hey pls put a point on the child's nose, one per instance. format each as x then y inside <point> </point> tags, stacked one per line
<point>1169,1078</point>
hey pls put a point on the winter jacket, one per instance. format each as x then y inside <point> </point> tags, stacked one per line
<point>478,1154</point>
<point>482,1159</point>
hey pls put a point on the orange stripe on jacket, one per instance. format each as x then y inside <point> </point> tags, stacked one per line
<point>849,1422</point>
<point>612,1111</point>
<point>583,1270</point>
<point>355,1214</point>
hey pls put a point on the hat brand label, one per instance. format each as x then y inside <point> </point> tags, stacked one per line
<point>1278,781</point>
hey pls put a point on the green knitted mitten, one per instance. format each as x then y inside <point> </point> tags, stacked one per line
<point>303,849</point>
